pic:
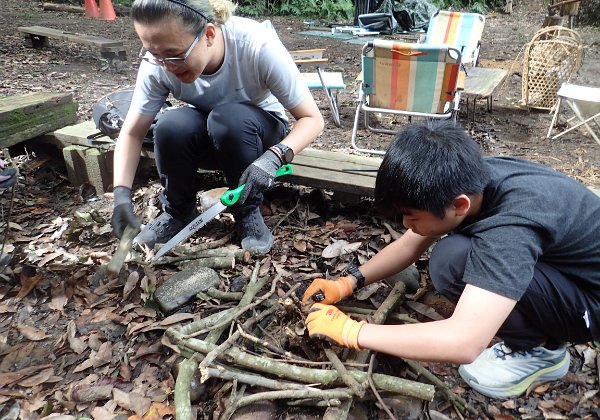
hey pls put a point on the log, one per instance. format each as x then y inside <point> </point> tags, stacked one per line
<point>301,374</point>
<point>70,8</point>
<point>118,258</point>
<point>24,117</point>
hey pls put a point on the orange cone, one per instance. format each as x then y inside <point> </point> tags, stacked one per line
<point>91,9</point>
<point>107,11</point>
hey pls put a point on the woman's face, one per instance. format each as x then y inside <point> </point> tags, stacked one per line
<point>167,39</point>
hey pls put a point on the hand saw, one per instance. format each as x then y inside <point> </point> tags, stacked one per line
<point>228,199</point>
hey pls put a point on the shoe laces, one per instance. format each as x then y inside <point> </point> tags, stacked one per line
<point>161,224</point>
<point>503,352</point>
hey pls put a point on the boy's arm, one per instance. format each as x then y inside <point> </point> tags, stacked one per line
<point>396,256</point>
<point>458,339</point>
<point>392,259</point>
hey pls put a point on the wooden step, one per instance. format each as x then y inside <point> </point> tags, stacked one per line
<point>24,117</point>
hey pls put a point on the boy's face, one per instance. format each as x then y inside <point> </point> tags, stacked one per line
<point>427,224</point>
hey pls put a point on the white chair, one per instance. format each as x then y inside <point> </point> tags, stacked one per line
<point>584,101</point>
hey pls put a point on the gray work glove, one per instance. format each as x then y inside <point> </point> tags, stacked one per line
<point>259,175</point>
<point>123,214</point>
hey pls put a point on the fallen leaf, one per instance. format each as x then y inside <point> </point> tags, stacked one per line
<point>176,319</point>
<point>340,247</point>
<point>29,280</point>
<point>103,355</point>
<point>300,246</point>
<point>75,343</point>
<point>37,379</point>
<point>132,401</point>
<point>130,284</point>
<point>31,333</point>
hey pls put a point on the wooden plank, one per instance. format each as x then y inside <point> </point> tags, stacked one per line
<point>368,161</point>
<point>307,54</point>
<point>24,117</point>
<point>481,82</point>
<point>337,171</point>
<point>31,102</point>
<point>70,36</point>
<point>332,180</point>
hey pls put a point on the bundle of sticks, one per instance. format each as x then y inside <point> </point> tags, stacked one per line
<point>278,373</point>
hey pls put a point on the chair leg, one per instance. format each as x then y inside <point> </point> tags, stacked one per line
<point>330,99</point>
<point>355,146</point>
<point>554,119</point>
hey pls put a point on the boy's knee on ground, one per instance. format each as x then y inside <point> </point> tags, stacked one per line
<point>447,264</point>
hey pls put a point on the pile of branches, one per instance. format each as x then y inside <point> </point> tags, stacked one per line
<point>335,378</point>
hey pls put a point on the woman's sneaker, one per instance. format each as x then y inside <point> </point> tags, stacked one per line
<point>499,372</point>
<point>161,229</point>
<point>254,235</point>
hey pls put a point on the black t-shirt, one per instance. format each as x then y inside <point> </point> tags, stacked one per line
<point>532,213</point>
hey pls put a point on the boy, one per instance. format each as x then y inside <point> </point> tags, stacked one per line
<point>521,260</point>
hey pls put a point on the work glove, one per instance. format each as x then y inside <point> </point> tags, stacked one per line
<point>332,291</point>
<point>259,176</point>
<point>123,214</point>
<point>328,322</point>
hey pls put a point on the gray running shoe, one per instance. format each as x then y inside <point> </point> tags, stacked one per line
<point>254,234</point>
<point>161,229</point>
<point>499,372</point>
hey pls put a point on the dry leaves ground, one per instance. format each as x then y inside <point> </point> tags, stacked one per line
<point>75,343</point>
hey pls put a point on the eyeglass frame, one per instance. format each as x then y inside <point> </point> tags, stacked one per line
<point>171,61</point>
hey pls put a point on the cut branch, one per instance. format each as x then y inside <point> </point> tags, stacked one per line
<point>301,374</point>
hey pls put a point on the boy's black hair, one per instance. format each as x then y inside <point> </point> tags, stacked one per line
<point>427,166</point>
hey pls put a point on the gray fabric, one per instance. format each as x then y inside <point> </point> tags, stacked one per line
<point>411,15</point>
<point>257,69</point>
<point>532,213</point>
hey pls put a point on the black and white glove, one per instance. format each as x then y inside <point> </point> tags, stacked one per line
<point>259,176</point>
<point>123,214</point>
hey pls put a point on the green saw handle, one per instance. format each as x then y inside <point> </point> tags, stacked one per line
<point>230,197</point>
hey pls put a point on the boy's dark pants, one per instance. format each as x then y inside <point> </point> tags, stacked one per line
<point>551,310</point>
<point>229,138</point>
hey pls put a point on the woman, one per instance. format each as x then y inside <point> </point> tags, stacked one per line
<point>237,78</point>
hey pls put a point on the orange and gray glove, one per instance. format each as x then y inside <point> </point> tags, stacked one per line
<point>328,291</point>
<point>328,322</point>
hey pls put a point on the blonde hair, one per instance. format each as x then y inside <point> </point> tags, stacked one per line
<point>222,9</point>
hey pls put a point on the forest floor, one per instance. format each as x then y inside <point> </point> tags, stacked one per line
<point>73,343</point>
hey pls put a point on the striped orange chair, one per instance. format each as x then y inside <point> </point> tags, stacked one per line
<point>413,80</point>
<point>459,30</point>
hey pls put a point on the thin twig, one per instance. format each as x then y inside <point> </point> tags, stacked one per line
<point>341,394</point>
<point>374,388</point>
<point>454,399</point>
<point>357,389</point>
<point>285,216</point>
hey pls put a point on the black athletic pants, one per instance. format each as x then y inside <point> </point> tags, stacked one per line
<point>552,309</point>
<point>229,138</point>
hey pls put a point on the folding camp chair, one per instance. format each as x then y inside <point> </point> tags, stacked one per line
<point>459,30</point>
<point>415,80</point>
<point>585,103</point>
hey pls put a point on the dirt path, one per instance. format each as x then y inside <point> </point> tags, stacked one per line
<point>508,130</point>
